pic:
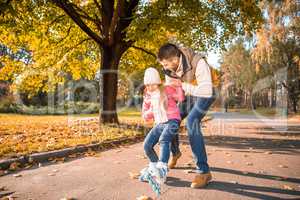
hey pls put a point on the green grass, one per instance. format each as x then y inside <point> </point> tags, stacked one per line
<point>261,111</point>
<point>130,112</point>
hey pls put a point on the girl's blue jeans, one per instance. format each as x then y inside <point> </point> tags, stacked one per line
<point>163,134</point>
<point>194,109</point>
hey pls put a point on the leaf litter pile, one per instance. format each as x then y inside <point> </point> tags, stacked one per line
<point>23,135</point>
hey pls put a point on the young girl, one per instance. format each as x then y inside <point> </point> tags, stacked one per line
<point>160,104</point>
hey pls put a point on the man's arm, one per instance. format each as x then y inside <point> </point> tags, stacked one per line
<point>204,81</point>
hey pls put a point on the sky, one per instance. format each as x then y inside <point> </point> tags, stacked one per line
<point>213,59</point>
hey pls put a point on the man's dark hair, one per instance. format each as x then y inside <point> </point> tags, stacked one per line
<point>167,51</point>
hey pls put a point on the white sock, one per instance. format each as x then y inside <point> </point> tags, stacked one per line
<point>162,165</point>
<point>152,165</point>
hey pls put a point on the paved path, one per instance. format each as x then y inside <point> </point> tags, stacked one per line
<point>246,163</point>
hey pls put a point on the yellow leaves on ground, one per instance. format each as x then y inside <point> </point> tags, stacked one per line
<point>21,134</point>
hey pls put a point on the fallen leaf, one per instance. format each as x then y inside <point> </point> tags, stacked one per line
<point>287,187</point>
<point>189,163</point>
<point>282,166</point>
<point>97,155</point>
<point>141,156</point>
<point>188,171</point>
<point>55,170</point>
<point>268,152</point>
<point>3,188</point>
<point>134,175</point>
<point>118,151</point>
<point>51,174</point>
<point>278,178</point>
<point>68,199</point>
<point>14,166</point>
<point>28,166</point>
<point>17,175</point>
<point>8,198</point>
<point>144,198</point>
<point>249,163</point>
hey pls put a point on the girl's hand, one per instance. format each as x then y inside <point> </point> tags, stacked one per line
<point>173,82</point>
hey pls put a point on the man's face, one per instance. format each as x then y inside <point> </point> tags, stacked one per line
<point>170,64</point>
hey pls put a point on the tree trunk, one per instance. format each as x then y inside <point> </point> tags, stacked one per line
<point>108,83</point>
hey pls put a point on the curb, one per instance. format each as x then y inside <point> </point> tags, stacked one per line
<point>44,156</point>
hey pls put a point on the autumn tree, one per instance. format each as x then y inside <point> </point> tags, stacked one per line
<point>278,45</point>
<point>60,33</point>
<point>239,71</point>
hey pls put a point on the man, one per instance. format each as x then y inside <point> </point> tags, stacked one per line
<point>198,82</point>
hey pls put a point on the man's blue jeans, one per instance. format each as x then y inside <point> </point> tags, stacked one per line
<point>163,134</point>
<point>194,108</point>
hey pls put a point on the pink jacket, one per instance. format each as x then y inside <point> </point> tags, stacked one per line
<point>174,94</point>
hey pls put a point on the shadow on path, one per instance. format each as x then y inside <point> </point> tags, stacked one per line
<point>276,146</point>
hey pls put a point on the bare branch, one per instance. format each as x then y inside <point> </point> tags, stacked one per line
<point>83,14</point>
<point>54,21</point>
<point>98,5</point>
<point>68,33</point>
<point>71,12</point>
<point>144,50</point>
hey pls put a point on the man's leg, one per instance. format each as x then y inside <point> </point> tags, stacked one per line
<point>197,140</point>
<point>184,108</point>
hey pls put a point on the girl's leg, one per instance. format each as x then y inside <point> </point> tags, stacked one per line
<point>150,141</point>
<point>175,145</point>
<point>170,130</point>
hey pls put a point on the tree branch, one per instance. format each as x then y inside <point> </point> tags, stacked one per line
<point>71,12</point>
<point>83,13</point>
<point>98,5</point>
<point>68,33</point>
<point>53,21</point>
<point>144,50</point>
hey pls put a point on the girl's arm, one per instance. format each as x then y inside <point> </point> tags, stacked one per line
<point>147,113</point>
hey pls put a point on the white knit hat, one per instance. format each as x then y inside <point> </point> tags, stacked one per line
<point>151,76</point>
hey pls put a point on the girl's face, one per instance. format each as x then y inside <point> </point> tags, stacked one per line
<point>151,87</point>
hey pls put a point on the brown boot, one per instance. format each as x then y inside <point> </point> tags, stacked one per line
<point>173,160</point>
<point>201,180</point>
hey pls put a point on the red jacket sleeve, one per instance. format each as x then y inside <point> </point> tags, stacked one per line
<point>147,113</point>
